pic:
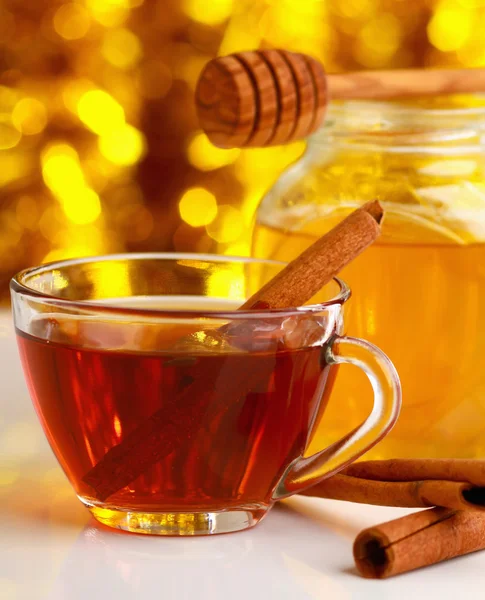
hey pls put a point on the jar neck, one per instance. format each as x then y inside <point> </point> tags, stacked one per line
<point>429,126</point>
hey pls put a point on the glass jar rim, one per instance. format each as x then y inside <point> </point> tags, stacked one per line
<point>407,108</point>
<point>18,286</point>
<point>403,128</point>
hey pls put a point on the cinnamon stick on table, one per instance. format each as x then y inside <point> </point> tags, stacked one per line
<point>414,483</point>
<point>297,283</point>
<point>418,540</point>
<point>412,469</point>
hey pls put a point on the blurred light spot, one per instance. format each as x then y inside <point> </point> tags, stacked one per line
<point>227,284</point>
<point>81,206</point>
<point>206,157</point>
<point>61,169</point>
<point>72,21</point>
<point>117,426</point>
<point>198,207</point>
<point>113,280</point>
<point>228,226</point>
<point>27,212</point>
<point>29,116</point>
<point>63,174</point>
<point>210,13</point>
<point>9,136</point>
<point>290,24</point>
<point>378,41</point>
<point>110,13</point>
<point>154,79</point>
<point>100,111</point>
<point>124,145</point>
<point>58,149</point>
<point>121,48</point>
<point>450,27</point>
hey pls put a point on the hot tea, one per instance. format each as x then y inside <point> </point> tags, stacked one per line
<point>173,413</point>
<point>250,418</point>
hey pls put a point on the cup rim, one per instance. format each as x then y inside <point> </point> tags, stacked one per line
<point>18,287</point>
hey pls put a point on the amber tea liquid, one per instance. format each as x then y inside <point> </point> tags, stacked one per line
<point>89,399</point>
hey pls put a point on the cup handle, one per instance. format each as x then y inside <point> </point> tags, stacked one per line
<point>305,472</point>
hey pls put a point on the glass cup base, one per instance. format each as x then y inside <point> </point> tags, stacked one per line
<point>179,523</point>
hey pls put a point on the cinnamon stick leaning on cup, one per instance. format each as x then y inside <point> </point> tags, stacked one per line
<point>295,285</point>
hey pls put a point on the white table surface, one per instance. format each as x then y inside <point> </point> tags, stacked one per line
<point>51,548</point>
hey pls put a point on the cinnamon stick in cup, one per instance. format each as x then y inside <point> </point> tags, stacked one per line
<point>293,286</point>
<point>413,483</point>
<point>418,540</point>
<point>302,278</point>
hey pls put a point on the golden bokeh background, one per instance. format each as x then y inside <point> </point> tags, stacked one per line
<point>100,150</point>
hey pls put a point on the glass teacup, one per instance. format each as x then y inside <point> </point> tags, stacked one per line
<point>170,411</point>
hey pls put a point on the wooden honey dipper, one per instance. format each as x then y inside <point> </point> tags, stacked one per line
<point>270,97</point>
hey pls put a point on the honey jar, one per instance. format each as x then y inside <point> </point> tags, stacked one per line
<point>419,292</point>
